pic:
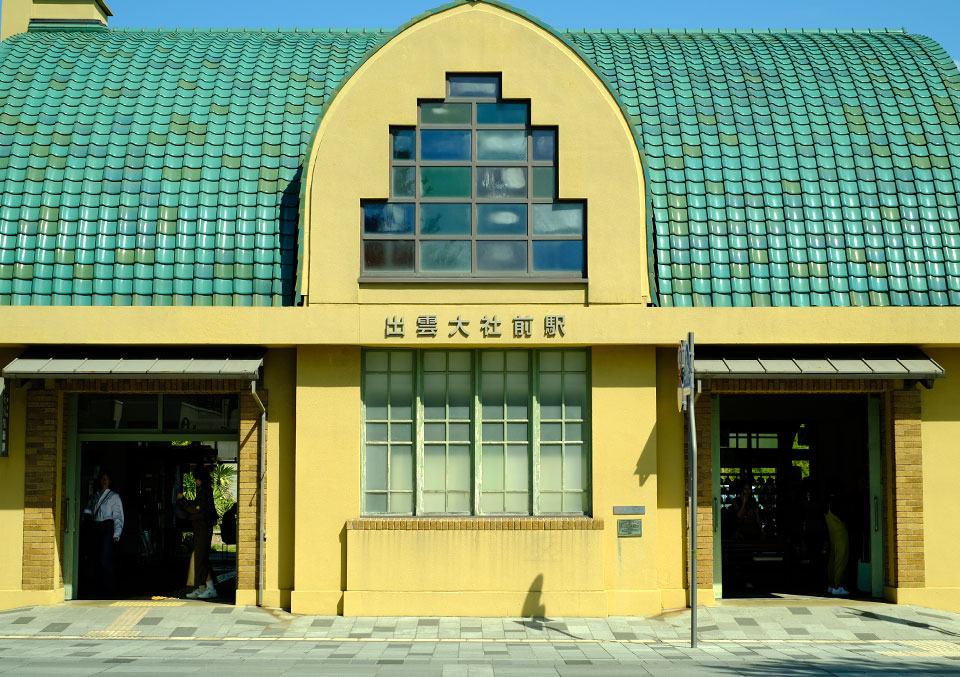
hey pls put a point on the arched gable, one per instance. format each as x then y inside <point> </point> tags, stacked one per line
<point>599,160</point>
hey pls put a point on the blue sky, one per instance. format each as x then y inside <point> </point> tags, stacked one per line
<point>939,19</point>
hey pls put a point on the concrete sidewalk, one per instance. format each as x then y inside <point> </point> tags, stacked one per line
<point>167,636</point>
<point>172,618</point>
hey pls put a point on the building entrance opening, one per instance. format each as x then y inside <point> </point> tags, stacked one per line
<point>795,495</point>
<point>156,545</point>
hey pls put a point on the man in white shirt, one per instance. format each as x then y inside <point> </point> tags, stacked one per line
<point>106,509</point>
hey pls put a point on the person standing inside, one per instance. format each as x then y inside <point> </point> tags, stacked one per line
<point>835,516</point>
<point>106,510</point>
<point>203,516</point>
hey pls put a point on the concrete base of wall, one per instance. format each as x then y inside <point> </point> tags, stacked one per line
<point>14,599</point>
<point>278,599</point>
<point>944,599</point>
<point>316,602</point>
<point>246,598</point>
<point>484,604</point>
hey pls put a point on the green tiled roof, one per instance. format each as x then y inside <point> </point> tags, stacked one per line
<point>784,168</point>
<point>158,167</point>
<point>794,168</point>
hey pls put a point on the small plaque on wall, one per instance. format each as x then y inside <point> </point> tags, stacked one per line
<point>629,510</point>
<point>629,528</point>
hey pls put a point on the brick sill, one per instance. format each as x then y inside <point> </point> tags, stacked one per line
<point>475,524</point>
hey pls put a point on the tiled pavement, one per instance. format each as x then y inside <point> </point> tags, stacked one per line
<point>167,636</point>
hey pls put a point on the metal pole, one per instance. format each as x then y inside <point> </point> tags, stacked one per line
<point>261,526</point>
<point>692,426</point>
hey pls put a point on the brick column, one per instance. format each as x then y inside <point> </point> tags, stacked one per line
<point>906,491</point>
<point>248,491</point>
<point>704,410</point>
<point>40,491</point>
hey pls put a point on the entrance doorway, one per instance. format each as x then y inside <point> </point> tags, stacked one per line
<point>151,446</point>
<point>153,556</point>
<point>782,461</point>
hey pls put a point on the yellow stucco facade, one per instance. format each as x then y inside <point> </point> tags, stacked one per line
<point>317,558</point>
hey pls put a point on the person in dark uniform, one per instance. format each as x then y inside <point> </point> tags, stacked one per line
<point>105,510</point>
<point>203,516</point>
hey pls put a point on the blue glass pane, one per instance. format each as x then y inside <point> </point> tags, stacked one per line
<point>445,256</point>
<point>558,219</point>
<point>501,182</point>
<point>558,255</point>
<point>404,144</point>
<point>444,219</point>
<point>386,218</point>
<point>474,86</point>
<point>445,144</point>
<point>544,145</point>
<point>388,255</point>
<point>502,113</point>
<point>502,256</point>
<point>501,219</point>
<point>499,145</point>
<point>404,182</point>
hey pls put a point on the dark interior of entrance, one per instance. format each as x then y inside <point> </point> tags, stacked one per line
<point>794,456</point>
<point>152,557</point>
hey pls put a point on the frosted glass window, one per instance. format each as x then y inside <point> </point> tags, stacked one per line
<point>505,405</point>
<point>564,461</point>
<point>447,467</point>
<point>475,432</point>
<point>481,183</point>
<point>388,449</point>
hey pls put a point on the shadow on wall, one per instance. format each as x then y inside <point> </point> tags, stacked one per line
<point>533,606</point>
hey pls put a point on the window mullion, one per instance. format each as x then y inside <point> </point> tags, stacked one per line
<point>535,430</point>
<point>418,433</point>
<point>477,442</point>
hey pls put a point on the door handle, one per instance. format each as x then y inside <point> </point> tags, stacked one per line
<point>69,528</point>
<point>716,522</point>
<point>876,513</point>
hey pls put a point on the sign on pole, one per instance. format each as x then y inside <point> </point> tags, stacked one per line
<point>685,397</point>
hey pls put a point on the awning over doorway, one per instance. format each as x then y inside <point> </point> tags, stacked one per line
<point>820,362</point>
<point>186,364</point>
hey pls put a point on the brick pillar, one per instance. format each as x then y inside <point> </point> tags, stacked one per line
<point>248,491</point>
<point>906,491</point>
<point>39,491</point>
<point>703,410</point>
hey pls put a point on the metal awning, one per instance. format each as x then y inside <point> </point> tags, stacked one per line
<point>185,366</point>
<point>808,362</point>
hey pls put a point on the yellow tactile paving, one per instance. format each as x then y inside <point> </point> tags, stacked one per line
<point>927,648</point>
<point>122,625</point>
<point>149,603</point>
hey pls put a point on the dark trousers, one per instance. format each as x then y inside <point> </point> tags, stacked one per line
<point>106,574</point>
<point>202,533</point>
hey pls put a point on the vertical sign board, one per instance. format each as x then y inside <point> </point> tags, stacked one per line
<point>685,395</point>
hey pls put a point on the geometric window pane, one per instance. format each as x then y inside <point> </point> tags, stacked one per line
<point>544,145</point>
<point>502,182</point>
<point>501,219</point>
<point>445,182</point>
<point>404,144</point>
<point>559,255</point>
<point>494,145</point>
<point>444,219</point>
<point>388,255</point>
<point>445,144</point>
<point>388,219</point>
<point>502,113</point>
<point>544,182</point>
<point>404,181</point>
<point>445,255</point>
<point>502,256</point>
<point>445,113</point>
<point>474,86</point>
<point>562,218</point>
